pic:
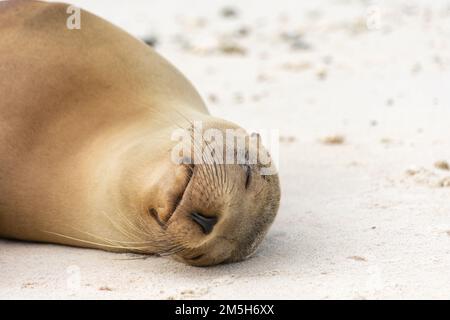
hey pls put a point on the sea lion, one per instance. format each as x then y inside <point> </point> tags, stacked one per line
<point>86,119</point>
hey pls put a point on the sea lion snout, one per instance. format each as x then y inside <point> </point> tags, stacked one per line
<point>224,213</point>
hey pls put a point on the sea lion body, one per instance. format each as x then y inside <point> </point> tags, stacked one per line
<point>85,122</point>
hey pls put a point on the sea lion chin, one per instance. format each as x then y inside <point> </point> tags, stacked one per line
<point>86,150</point>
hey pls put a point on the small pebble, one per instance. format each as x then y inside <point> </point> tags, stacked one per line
<point>357,258</point>
<point>151,41</point>
<point>443,165</point>
<point>229,12</point>
<point>230,48</point>
<point>333,140</point>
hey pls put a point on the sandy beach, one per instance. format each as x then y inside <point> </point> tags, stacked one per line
<point>359,94</point>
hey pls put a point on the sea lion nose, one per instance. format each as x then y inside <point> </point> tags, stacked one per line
<point>207,223</point>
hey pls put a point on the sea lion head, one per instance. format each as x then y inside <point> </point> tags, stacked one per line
<point>216,211</point>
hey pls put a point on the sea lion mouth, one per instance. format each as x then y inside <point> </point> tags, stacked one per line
<point>176,204</point>
<point>174,199</point>
<point>177,201</point>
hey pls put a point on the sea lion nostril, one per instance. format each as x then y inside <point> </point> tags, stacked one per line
<point>207,223</point>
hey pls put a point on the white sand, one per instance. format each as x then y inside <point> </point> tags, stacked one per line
<point>363,219</point>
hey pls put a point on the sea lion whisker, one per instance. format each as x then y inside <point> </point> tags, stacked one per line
<point>211,158</point>
<point>214,158</point>
<point>136,229</point>
<point>205,167</point>
<point>112,241</point>
<point>93,242</point>
<point>141,224</point>
<point>171,252</point>
<point>208,162</point>
<point>144,257</point>
<point>146,233</point>
<point>118,226</point>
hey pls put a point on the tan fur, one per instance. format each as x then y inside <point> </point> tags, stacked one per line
<point>85,123</point>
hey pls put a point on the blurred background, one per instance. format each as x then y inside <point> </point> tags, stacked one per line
<point>336,65</point>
